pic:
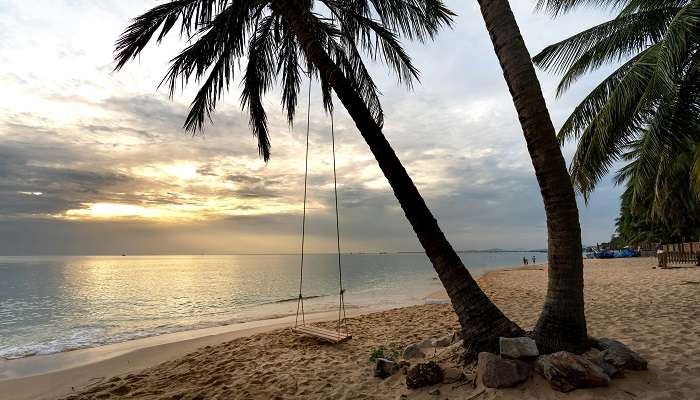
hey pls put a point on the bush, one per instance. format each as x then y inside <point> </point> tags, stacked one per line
<point>391,352</point>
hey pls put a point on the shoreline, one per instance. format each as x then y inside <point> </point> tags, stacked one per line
<point>34,377</point>
<point>29,366</point>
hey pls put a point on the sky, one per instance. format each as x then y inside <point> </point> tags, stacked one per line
<point>94,161</point>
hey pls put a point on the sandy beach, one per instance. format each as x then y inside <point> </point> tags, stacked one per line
<point>653,311</point>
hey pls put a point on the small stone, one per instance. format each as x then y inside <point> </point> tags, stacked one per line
<point>621,356</point>
<point>567,371</point>
<point>446,340</point>
<point>518,348</point>
<point>419,350</point>
<point>385,368</point>
<point>497,372</point>
<point>596,357</point>
<point>451,353</point>
<point>412,351</point>
<point>434,392</point>
<point>404,366</point>
<point>452,375</point>
<point>424,374</point>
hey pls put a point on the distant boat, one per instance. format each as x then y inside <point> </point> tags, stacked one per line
<point>624,253</point>
<point>604,254</point>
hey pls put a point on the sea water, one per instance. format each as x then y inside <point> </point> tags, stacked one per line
<point>50,304</point>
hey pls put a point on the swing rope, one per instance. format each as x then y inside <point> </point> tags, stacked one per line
<point>342,319</point>
<point>300,301</point>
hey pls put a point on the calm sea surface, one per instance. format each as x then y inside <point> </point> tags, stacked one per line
<point>55,303</point>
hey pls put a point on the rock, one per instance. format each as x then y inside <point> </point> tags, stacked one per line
<point>424,374</point>
<point>452,375</point>
<point>385,368</point>
<point>497,372</point>
<point>419,350</point>
<point>596,356</point>
<point>452,354</point>
<point>404,366</point>
<point>567,371</point>
<point>518,348</point>
<point>434,392</point>
<point>412,351</point>
<point>621,356</point>
<point>446,340</point>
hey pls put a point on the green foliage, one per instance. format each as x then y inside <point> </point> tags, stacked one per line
<point>223,33</point>
<point>646,113</point>
<point>390,352</point>
<point>639,222</point>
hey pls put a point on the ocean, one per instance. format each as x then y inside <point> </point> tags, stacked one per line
<point>50,304</point>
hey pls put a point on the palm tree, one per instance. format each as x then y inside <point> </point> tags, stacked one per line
<point>648,105</point>
<point>562,324</point>
<point>279,38</point>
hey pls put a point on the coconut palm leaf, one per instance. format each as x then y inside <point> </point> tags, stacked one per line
<point>222,33</point>
<point>646,113</point>
<point>611,41</point>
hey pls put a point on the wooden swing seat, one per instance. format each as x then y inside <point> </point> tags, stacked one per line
<point>328,335</point>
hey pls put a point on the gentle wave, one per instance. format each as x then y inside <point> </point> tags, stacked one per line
<point>93,336</point>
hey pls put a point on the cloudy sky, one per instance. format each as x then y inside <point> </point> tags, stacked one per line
<point>96,162</point>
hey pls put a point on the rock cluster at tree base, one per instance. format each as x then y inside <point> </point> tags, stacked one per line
<point>564,371</point>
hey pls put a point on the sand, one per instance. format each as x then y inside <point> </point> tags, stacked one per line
<point>653,311</point>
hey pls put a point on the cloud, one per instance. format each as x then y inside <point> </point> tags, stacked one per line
<point>116,172</point>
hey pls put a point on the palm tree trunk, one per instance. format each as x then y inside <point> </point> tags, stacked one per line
<point>481,321</point>
<point>562,324</point>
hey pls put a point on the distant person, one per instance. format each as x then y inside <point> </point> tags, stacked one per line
<point>534,260</point>
<point>524,260</point>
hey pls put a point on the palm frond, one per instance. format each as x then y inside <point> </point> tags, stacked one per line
<point>215,50</point>
<point>559,7</point>
<point>289,67</point>
<point>375,39</point>
<point>257,81</point>
<point>612,125</point>
<point>415,19</point>
<point>611,41</point>
<point>347,57</point>
<point>589,107</point>
<point>193,15</point>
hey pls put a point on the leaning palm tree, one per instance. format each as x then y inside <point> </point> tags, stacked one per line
<point>562,323</point>
<point>282,40</point>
